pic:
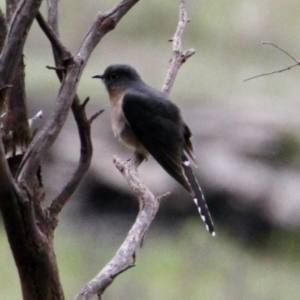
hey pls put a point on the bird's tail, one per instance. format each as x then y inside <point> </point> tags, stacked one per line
<point>198,195</point>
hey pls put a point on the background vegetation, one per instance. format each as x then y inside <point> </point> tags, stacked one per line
<point>180,261</point>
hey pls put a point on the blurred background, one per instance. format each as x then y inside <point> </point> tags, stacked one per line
<point>246,138</point>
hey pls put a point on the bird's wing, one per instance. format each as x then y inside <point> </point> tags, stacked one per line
<point>157,123</point>
<point>188,146</point>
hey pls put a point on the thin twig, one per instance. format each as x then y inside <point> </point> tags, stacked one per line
<point>273,72</point>
<point>297,63</point>
<point>178,56</point>
<point>96,115</point>
<point>56,68</point>
<point>85,102</point>
<point>63,53</point>
<point>282,50</point>
<point>5,87</point>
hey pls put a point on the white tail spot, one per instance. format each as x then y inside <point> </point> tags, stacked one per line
<point>203,218</point>
<point>186,163</point>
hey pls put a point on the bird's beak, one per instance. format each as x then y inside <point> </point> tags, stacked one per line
<point>98,76</point>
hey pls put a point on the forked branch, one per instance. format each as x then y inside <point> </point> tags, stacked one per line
<point>61,54</point>
<point>178,56</point>
<point>296,64</point>
<point>86,151</point>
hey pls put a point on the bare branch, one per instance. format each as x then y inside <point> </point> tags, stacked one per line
<point>74,68</point>
<point>16,134</point>
<point>297,63</point>
<point>56,68</point>
<point>95,116</point>
<point>86,151</point>
<point>273,72</point>
<point>10,203</point>
<point>13,47</point>
<point>3,29</point>
<point>83,124</point>
<point>102,25</point>
<point>53,15</point>
<point>5,87</point>
<point>61,54</point>
<point>62,51</point>
<point>11,6</point>
<point>85,102</point>
<point>280,49</point>
<point>126,253</point>
<point>178,57</point>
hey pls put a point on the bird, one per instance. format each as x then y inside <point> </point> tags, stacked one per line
<point>147,121</point>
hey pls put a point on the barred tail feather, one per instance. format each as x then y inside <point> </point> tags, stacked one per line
<point>198,195</point>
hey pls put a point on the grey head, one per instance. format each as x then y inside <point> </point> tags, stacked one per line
<point>119,76</point>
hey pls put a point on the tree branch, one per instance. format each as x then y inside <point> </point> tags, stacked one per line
<point>282,50</point>
<point>86,151</point>
<point>53,15</point>
<point>297,63</point>
<point>56,44</point>
<point>178,57</point>
<point>3,29</point>
<point>272,72</point>
<point>103,24</point>
<point>26,229</point>
<point>83,124</point>
<point>13,47</point>
<point>16,209</point>
<point>124,257</point>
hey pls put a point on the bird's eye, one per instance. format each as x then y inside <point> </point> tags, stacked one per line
<point>114,76</point>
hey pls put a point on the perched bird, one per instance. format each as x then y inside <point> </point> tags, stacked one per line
<point>144,119</point>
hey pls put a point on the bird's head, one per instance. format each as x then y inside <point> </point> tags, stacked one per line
<point>119,77</point>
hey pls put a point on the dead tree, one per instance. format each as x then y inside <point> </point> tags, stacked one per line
<point>28,222</point>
